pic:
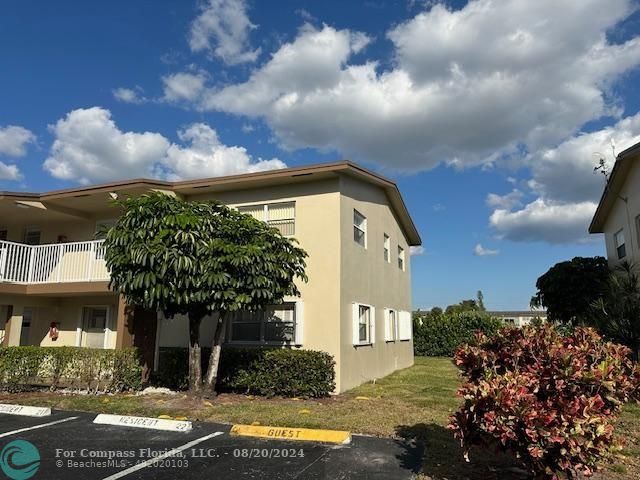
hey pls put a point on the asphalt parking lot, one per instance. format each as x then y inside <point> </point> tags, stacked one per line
<point>70,446</point>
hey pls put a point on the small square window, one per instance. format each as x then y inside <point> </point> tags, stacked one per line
<point>619,243</point>
<point>359,229</point>
<point>400,258</point>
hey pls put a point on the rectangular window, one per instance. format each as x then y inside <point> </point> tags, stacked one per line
<point>364,323</point>
<point>359,229</point>
<point>278,215</point>
<point>94,326</point>
<point>400,258</point>
<point>4,233</point>
<point>619,243</point>
<point>32,236</point>
<point>276,324</point>
<point>391,326</point>
<point>387,248</point>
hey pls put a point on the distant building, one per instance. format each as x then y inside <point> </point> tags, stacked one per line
<point>519,318</point>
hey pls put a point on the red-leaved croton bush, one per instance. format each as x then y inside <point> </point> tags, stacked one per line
<point>549,399</point>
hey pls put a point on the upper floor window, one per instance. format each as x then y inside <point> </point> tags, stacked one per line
<point>619,243</point>
<point>32,236</point>
<point>400,258</point>
<point>359,228</point>
<point>279,215</point>
<point>387,248</point>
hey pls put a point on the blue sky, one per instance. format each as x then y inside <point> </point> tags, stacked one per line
<point>487,114</point>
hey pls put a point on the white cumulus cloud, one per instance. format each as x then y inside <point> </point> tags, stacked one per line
<point>90,147</point>
<point>565,187</point>
<point>466,86</point>
<point>129,95</point>
<point>205,156</point>
<point>222,30</point>
<point>14,140</point>
<point>183,86</point>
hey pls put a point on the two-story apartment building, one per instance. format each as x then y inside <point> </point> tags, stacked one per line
<point>618,214</point>
<point>352,222</point>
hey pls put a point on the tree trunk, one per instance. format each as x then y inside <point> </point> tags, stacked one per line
<point>214,361</point>
<point>195,354</point>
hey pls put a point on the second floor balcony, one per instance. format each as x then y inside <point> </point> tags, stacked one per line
<point>52,263</point>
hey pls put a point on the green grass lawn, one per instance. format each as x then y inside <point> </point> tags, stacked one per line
<point>411,403</point>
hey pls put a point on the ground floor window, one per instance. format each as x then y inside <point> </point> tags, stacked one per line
<point>277,324</point>
<point>95,320</point>
<point>364,321</point>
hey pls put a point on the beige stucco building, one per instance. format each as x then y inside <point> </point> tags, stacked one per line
<point>352,223</point>
<point>618,214</point>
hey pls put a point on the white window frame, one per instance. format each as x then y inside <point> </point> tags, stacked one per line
<point>386,242</point>
<point>107,325</point>
<point>298,335</point>
<point>266,206</point>
<point>391,332</point>
<point>402,258</point>
<point>362,228</point>
<point>355,320</point>
<point>618,245</point>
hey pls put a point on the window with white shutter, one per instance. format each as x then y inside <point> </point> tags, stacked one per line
<point>364,324</point>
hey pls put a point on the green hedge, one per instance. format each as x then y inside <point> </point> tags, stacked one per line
<point>260,371</point>
<point>440,335</point>
<point>89,369</point>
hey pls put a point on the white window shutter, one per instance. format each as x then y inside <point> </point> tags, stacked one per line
<point>405,326</point>
<point>299,331</point>
<point>355,323</point>
<point>372,331</point>
<point>388,334</point>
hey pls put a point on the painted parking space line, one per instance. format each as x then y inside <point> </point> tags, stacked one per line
<point>170,453</point>
<point>35,427</point>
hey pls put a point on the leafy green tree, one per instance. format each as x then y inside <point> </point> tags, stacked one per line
<point>199,259</point>
<point>568,289</point>
<point>470,305</point>
<point>617,313</point>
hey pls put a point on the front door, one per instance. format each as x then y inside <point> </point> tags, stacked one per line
<point>25,331</point>
<point>94,326</point>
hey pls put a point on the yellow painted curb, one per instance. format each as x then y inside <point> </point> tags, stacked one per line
<point>300,434</point>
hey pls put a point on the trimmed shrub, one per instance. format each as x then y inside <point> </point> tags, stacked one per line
<point>547,398</point>
<point>260,371</point>
<point>93,370</point>
<point>440,335</point>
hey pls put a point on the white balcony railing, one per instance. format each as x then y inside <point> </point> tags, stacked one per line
<point>52,263</point>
